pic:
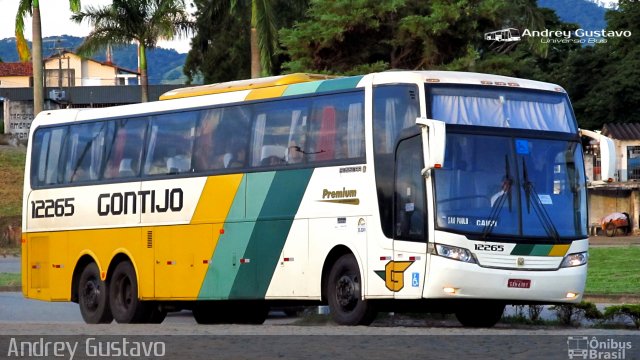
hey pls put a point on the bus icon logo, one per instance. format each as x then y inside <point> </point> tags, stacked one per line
<point>577,347</point>
<point>504,35</point>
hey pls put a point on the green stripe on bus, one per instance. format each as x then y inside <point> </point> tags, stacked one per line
<point>339,84</point>
<point>233,243</point>
<point>270,234</point>
<point>522,249</point>
<point>541,250</point>
<point>302,88</point>
<point>532,250</point>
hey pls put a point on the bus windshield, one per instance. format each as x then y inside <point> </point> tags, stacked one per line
<point>505,186</point>
<point>503,107</point>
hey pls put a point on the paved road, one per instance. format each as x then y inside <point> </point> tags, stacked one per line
<point>395,337</point>
<point>10,264</point>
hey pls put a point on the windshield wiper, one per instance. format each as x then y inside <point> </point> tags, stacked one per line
<point>506,194</point>
<point>538,207</point>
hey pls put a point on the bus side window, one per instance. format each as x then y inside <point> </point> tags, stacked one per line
<point>47,151</point>
<point>355,130</point>
<point>207,156</point>
<point>170,144</point>
<point>272,134</point>
<point>325,145</point>
<point>123,159</point>
<point>85,151</point>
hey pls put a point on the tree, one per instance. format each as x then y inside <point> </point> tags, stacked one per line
<point>32,8</point>
<point>604,80</point>
<point>141,21</point>
<point>220,48</point>
<point>355,36</point>
<point>351,36</point>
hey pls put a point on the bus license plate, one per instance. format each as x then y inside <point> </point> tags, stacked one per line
<point>519,283</point>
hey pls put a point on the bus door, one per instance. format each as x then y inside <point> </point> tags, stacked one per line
<point>409,232</point>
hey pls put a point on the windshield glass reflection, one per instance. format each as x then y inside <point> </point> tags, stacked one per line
<point>501,186</point>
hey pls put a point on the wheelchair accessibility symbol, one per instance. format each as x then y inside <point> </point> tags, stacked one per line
<point>415,279</point>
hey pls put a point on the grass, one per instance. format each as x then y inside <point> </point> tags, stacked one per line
<point>10,279</point>
<point>614,271</point>
<point>11,176</point>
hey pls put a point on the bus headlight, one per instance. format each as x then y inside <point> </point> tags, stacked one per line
<point>455,253</point>
<point>576,259</point>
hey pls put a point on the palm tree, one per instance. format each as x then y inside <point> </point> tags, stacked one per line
<point>263,34</point>
<point>32,8</point>
<point>141,21</point>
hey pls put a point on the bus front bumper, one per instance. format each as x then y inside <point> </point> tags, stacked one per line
<point>455,279</point>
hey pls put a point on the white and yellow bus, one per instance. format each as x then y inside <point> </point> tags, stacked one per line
<point>402,190</point>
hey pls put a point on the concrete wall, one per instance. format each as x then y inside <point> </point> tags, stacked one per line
<point>604,202</point>
<point>17,118</point>
<point>14,81</point>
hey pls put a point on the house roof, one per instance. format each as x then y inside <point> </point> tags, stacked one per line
<point>55,56</point>
<point>15,69</point>
<point>622,131</point>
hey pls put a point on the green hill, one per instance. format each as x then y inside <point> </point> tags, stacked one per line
<point>587,14</point>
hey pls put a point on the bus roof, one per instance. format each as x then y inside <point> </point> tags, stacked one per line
<point>282,81</point>
<point>238,85</point>
<point>284,85</point>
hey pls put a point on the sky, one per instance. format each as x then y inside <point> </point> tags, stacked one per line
<point>56,15</point>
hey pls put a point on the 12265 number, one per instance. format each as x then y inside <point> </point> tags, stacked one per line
<point>52,208</point>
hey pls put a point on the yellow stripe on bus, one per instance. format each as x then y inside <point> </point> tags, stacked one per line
<point>266,93</point>
<point>216,199</point>
<point>559,250</point>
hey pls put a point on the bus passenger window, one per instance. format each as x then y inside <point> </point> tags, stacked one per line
<point>46,156</point>
<point>85,151</point>
<point>170,144</point>
<point>222,139</point>
<point>124,156</point>
<point>325,147</point>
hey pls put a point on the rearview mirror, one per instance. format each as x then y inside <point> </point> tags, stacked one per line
<point>434,136</point>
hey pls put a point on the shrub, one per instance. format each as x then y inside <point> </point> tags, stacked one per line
<point>569,314</point>
<point>630,311</point>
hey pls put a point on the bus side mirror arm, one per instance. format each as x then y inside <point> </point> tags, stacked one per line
<point>434,136</point>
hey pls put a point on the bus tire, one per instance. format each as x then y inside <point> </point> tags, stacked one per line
<point>93,296</point>
<point>212,312</point>
<point>251,312</point>
<point>344,294</point>
<point>480,315</point>
<point>126,307</point>
<point>155,313</point>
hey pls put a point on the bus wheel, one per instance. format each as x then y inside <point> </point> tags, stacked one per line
<point>93,297</point>
<point>123,295</point>
<point>251,312</point>
<point>481,315</point>
<point>344,294</point>
<point>155,313</point>
<point>211,312</point>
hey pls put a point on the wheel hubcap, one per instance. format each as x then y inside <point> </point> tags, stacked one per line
<point>91,297</point>
<point>347,292</point>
